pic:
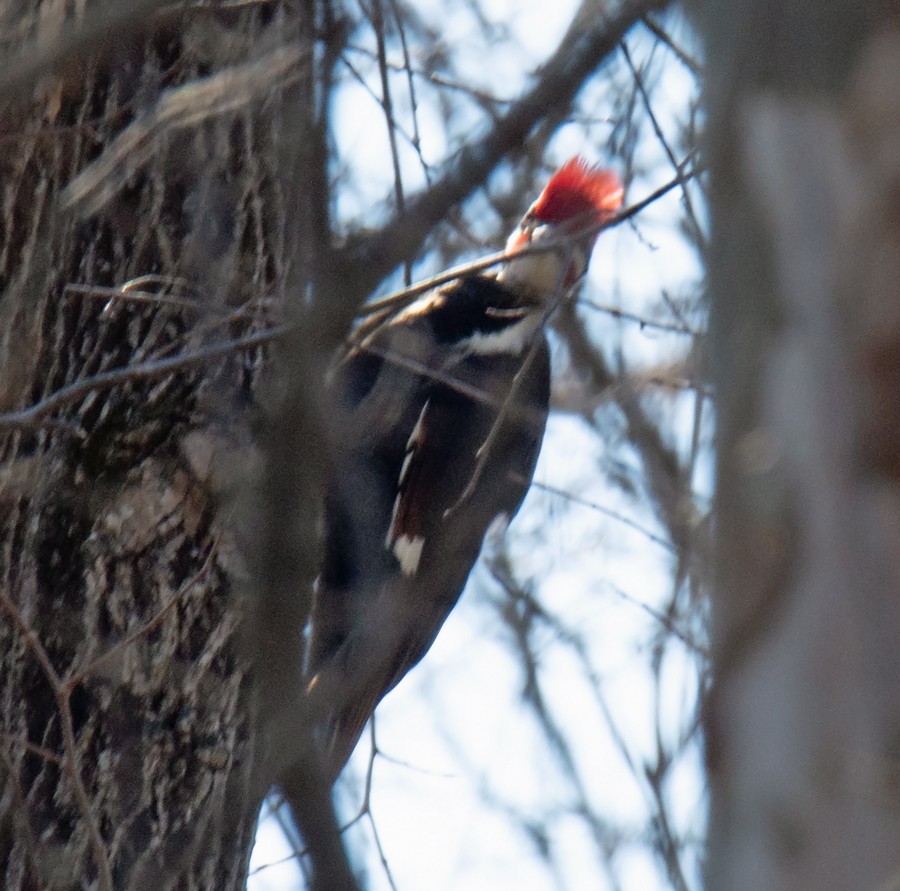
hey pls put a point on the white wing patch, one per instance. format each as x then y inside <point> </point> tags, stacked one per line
<point>409,551</point>
<point>407,548</point>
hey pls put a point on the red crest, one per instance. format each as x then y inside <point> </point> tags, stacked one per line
<point>577,189</point>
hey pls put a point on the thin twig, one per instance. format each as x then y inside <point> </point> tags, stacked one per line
<point>578,56</point>
<point>62,691</point>
<point>361,80</point>
<point>387,105</point>
<point>406,295</point>
<point>448,380</point>
<point>147,627</point>
<point>411,87</point>
<point>633,317</point>
<point>99,292</point>
<point>606,511</point>
<point>29,417</point>
<point>41,751</point>
<point>660,33</point>
<point>482,97</point>
<point>381,856</point>
<point>696,231</point>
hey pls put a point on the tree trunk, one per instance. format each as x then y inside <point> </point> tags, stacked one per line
<point>127,734</point>
<point>803,720</point>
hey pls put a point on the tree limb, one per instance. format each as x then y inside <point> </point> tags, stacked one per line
<point>576,59</point>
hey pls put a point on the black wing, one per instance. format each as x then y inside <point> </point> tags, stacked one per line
<point>375,403</point>
<point>414,491</point>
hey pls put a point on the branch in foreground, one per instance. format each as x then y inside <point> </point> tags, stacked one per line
<point>34,414</point>
<point>561,78</point>
<point>406,295</point>
<point>178,108</point>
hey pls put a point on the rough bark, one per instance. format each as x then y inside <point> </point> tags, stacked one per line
<point>803,719</point>
<point>127,734</point>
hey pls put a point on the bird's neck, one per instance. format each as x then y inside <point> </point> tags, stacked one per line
<point>538,275</point>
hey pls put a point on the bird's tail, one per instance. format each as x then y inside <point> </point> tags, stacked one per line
<point>345,691</point>
<point>339,718</point>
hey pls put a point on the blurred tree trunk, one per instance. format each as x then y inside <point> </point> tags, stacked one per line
<point>803,720</point>
<point>127,735</point>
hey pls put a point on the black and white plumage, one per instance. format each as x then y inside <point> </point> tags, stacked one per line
<point>440,411</point>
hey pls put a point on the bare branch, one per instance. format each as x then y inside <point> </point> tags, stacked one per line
<point>34,415</point>
<point>406,295</point>
<point>644,322</point>
<point>685,58</point>
<point>608,512</point>
<point>177,108</point>
<point>690,215</point>
<point>561,78</point>
<point>666,479</point>
<point>62,691</point>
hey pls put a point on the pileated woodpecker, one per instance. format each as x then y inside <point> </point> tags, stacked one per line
<point>440,409</point>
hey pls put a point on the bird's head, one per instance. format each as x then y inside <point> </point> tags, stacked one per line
<point>577,199</point>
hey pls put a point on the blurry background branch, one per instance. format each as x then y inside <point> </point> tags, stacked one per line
<point>593,36</point>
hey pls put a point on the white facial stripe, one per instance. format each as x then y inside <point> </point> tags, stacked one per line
<point>409,551</point>
<point>512,339</point>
